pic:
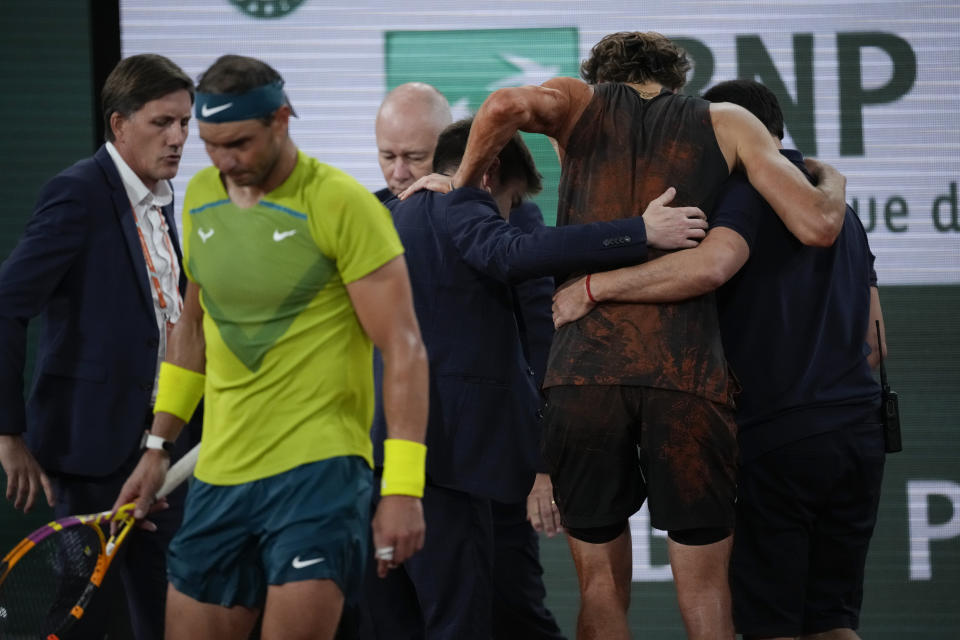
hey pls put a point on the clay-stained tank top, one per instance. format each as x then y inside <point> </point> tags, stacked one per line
<point>623,152</point>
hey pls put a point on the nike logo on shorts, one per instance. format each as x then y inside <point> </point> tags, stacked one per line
<point>204,235</point>
<point>280,235</point>
<point>300,564</point>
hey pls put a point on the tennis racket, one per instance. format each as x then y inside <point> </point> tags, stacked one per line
<point>47,581</point>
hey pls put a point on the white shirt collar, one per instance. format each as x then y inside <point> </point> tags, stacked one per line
<point>162,195</point>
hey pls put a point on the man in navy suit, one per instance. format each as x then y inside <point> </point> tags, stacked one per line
<point>519,595</point>
<point>408,124</point>
<point>483,430</point>
<point>99,262</point>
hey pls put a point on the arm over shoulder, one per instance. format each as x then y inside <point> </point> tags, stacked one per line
<point>813,213</point>
<point>550,109</point>
<point>492,246</point>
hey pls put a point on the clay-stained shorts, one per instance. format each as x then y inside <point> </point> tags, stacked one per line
<point>609,448</point>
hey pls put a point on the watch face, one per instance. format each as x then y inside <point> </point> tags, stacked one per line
<point>266,8</point>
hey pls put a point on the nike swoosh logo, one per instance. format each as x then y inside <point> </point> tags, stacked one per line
<point>206,111</point>
<point>300,564</point>
<point>280,235</point>
<point>204,235</point>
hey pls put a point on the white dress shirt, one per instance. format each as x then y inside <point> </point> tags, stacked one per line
<point>165,273</point>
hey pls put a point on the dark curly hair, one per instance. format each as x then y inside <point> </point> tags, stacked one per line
<point>633,56</point>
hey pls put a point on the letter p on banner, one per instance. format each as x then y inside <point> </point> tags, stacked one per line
<point>922,531</point>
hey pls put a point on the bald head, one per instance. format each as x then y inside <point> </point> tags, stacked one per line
<point>408,124</point>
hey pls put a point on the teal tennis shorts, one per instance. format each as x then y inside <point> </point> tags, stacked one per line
<point>309,523</point>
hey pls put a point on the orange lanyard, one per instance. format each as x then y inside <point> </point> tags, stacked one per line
<point>154,275</point>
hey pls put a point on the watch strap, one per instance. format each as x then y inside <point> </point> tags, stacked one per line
<point>151,441</point>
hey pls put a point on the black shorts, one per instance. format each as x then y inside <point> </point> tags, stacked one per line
<point>609,448</point>
<point>805,515</point>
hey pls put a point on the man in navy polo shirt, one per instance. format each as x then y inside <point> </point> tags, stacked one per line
<point>799,327</point>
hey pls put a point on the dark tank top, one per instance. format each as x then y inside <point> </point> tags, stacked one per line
<point>623,152</point>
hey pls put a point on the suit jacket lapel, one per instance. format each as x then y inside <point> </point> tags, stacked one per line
<point>175,241</point>
<point>128,226</point>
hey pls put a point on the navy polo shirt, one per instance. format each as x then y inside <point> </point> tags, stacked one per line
<point>794,321</point>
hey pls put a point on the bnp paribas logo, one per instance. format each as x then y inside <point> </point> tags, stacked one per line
<point>266,8</point>
<point>468,65</point>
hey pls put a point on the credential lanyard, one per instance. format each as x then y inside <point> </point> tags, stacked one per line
<point>154,275</point>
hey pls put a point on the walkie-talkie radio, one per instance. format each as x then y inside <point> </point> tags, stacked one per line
<point>891,407</point>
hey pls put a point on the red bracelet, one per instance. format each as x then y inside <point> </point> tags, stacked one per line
<point>587,284</point>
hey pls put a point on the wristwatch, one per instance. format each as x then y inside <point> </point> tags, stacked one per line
<point>151,441</point>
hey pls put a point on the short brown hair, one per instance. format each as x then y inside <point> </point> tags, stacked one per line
<point>516,161</point>
<point>137,80</point>
<point>633,56</point>
<point>236,74</point>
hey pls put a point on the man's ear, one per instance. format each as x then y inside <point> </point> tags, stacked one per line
<point>281,119</point>
<point>491,177</point>
<point>116,125</point>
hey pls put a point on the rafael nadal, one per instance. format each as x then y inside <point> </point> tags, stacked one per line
<point>295,272</point>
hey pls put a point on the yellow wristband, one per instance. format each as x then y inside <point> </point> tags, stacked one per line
<point>178,391</point>
<point>404,463</point>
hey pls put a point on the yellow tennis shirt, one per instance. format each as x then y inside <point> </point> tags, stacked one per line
<point>288,366</point>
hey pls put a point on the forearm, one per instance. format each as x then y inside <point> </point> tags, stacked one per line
<point>187,345</point>
<point>167,426</point>
<point>812,213</point>
<point>497,120</point>
<point>398,526</point>
<point>406,388</point>
<point>831,204</point>
<point>876,341</point>
<point>503,252</point>
<point>571,249</point>
<point>676,276</point>
<point>186,350</point>
<point>668,279</point>
<point>542,109</point>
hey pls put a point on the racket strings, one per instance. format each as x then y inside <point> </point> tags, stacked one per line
<point>43,586</point>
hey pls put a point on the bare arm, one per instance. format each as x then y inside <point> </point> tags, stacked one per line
<point>383,302</point>
<point>549,109</point>
<point>676,276</point>
<point>187,349</point>
<point>876,314</point>
<point>384,305</point>
<point>814,214</point>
